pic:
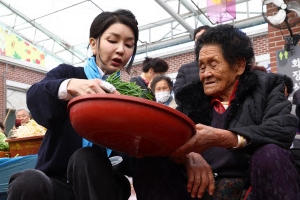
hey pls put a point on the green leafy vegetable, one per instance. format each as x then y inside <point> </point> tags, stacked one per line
<point>3,145</point>
<point>128,88</point>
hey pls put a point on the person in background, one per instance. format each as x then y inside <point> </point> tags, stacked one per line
<point>22,118</point>
<point>162,86</point>
<point>23,115</point>
<point>66,167</point>
<point>151,68</point>
<point>243,132</point>
<point>189,72</point>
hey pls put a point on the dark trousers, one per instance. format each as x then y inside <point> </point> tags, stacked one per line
<point>272,174</point>
<point>90,177</point>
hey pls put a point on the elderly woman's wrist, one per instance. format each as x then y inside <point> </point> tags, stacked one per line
<point>228,139</point>
<point>241,142</point>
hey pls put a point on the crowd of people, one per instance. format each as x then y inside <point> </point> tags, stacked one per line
<point>243,124</point>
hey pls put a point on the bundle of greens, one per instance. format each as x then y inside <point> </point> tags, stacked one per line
<point>128,88</point>
<point>3,144</point>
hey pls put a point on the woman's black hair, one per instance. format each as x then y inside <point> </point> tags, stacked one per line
<point>157,64</point>
<point>234,43</point>
<point>106,19</point>
<point>158,78</point>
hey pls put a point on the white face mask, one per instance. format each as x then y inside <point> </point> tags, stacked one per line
<point>162,97</point>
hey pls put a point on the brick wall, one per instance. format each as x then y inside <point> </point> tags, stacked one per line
<point>17,74</point>
<point>276,37</point>
<point>261,45</point>
<point>2,93</point>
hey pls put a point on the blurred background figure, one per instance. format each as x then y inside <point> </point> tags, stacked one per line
<point>22,117</point>
<point>296,102</point>
<point>151,68</point>
<point>162,87</point>
<point>189,72</point>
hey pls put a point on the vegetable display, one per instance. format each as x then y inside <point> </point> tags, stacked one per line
<point>128,88</point>
<point>3,145</point>
<point>30,129</point>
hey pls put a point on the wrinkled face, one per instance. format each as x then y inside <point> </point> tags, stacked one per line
<point>23,116</point>
<point>114,49</point>
<point>161,86</point>
<point>216,74</point>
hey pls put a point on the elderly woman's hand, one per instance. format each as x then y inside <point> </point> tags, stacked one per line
<point>200,175</point>
<point>78,87</point>
<point>206,137</point>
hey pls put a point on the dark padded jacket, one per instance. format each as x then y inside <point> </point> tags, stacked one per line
<point>260,111</point>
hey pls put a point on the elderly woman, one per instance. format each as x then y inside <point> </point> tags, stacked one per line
<point>162,86</point>
<point>243,129</point>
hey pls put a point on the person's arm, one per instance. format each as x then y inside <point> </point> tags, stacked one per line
<point>206,137</point>
<point>278,126</point>
<point>42,97</point>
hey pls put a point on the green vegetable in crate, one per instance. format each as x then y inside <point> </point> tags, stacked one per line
<point>3,145</point>
<point>128,88</point>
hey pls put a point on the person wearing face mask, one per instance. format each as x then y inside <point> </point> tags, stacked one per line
<point>162,86</point>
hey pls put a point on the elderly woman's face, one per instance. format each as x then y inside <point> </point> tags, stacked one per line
<point>216,74</point>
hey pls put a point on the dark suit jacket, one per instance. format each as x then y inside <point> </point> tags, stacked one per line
<point>187,73</point>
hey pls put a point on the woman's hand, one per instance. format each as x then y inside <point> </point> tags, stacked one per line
<point>200,175</point>
<point>78,87</point>
<point>204,138</point>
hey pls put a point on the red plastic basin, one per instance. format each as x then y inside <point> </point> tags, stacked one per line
<point>136,126</point>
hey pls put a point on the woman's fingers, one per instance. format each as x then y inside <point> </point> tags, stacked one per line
<point>212,184</point>
<point>78,87</point>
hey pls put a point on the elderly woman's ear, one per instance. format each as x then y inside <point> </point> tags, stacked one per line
<point>240,65</point>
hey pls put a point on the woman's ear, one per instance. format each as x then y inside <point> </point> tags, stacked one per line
<point>93,45</point>
<point>241,65</point>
